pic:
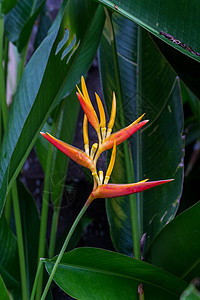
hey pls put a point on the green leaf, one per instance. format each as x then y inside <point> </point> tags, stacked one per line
<point>34,99</point>
<point>176,19</point>
<point>3,291</point>
<point>19,22</point>
<point>151,88</point>
<point>31,227</point>
<point>7,5</point>
<point>89,273</point>
<point>191,293</point>
<point>186,68</point>
<point>9,266</point>
<point>177,247</point>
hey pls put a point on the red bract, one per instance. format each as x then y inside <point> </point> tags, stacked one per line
<point>118,190</point>
<point>75,154</point>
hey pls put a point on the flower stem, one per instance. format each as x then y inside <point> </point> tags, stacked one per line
<point>128,159</point>
<point>78,218</point>
<point>36,278</point>
<point>20,241</point>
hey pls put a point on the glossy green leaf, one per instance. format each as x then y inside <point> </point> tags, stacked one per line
<point>177,247</point>
<point>186,68</point>
<point>175,18</point>
<point>191,293</point>
<point>34,99</point>
<point>9,266</point>
<point>157,151</point>
<point>19,22</point>
<point>89,273</point>
<point>7,5</point>
<point>180,20</point>
<point>3,291</point>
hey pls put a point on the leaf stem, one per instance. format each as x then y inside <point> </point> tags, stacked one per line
<point>20,242</point>
<point>62,251</point>
<point>127,154</point>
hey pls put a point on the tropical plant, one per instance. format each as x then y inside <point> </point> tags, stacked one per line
<point>148,62</point>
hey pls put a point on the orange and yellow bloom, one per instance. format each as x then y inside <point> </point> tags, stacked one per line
<point>106,140</point>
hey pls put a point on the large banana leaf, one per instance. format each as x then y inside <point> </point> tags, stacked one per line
<point>148,85</point>
<point>97,274</point>
<point>177,246</point>
<point>181,20</point>
<point>54,64</point>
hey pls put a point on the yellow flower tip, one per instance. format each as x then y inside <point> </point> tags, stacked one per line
<point>93,150</point>
<point>101,111</point>
<point>79,92</point>
<point>85,130</point>
<point>101,177</point>
<point>111,164</point>
<point>84,90</point>
<point>112,115</point>
<point>106,180</point>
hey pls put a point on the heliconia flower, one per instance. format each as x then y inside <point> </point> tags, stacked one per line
<point>107,140</point>
<point>75,154</point>
<point>118,190</point>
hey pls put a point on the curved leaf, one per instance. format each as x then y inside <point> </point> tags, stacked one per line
<point>35,98</point>
<point>19,22</point>
<point>191,293</point>
<point>157,151</point>
<point>178,19</point>
<point>177,247</point>
<point>96,274</point>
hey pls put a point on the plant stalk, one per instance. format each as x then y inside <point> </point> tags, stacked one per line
<point>62,251</point>
<point>128,159</point>
<point>20,242</point>
<point>36,279</point>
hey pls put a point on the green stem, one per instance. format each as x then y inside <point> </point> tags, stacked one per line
<point>127,154</point>
<point>20,242</point>
<point>83,210</point>
<point>8,207</point>
<point>44,216</point>
<point>54,226</point>
<point>36,279</point>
